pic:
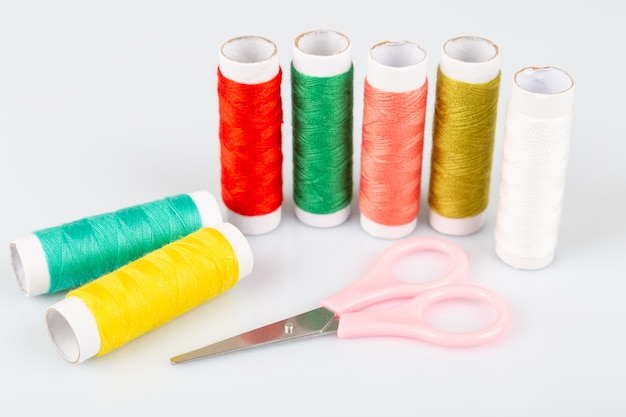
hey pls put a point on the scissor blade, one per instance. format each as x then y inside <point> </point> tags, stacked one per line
<point>312,323</point>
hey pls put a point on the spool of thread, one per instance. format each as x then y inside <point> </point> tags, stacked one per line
<point>72,254</point>
<point>322,103</point>
<point>468,82</point>
<point>148,292</point>
<point>249,79</point>
<point>534,162</point>
<point>394,113</point>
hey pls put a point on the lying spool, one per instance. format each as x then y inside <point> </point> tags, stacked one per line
<point>118,307</point>
<point>72,254</point>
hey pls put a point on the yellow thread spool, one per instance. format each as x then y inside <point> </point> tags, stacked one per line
<point>463,135</point>
<point>120,306</point>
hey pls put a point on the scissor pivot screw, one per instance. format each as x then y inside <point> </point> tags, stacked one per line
<point>289,327</point>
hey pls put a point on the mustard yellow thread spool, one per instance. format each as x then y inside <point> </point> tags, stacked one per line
<point>463,134</point>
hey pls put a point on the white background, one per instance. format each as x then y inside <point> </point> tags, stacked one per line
<point>105,105</point>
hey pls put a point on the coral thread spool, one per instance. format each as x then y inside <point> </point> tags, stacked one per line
<point>391,160</point>
<point>118,307</point>
<point>44,267</point>
<point>250,139</point>
<point>534,164</point>
<point>471,62</point>
<point>322,54</point>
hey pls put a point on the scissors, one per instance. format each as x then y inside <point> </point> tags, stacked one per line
<point>345,312</point>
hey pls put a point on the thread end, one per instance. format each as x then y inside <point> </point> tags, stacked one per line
<point>323,220</point>
<point>255,225</point>
<point>385,231</point>
<point>457,227</point>
<point>521,262</point>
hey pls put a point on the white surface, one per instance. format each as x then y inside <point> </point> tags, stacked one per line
<point>106,105</point>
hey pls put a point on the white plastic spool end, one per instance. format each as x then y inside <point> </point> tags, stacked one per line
<point>208,207</point>
<point>240,245</point>
<point>73,330</point>
<point>385,231</point>
<point>30,265</point>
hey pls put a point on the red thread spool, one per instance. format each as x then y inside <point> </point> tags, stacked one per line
<point>250,109</point>
<point>393,137</point>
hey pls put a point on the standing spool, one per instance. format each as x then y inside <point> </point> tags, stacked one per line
<point>72,254</point>
<point>249,79</point>
<point>322,102</point>
<point>534,163</point>
<point>468,82</point>
<point>393,138</point>
<point>118,307</point>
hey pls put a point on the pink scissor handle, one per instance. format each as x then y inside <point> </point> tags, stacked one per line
<point>378,284</point>
<point>408,319</point>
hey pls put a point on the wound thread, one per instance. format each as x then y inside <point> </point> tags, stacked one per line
<point>391,154</point>
<point>534,166</point>
<point>322,141</point>
<point>463,141</point>
<point>154,289</point>
<point>250,145</point>
<point>75,253</point>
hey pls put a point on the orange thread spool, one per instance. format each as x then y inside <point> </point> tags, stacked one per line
<point>393,136</point>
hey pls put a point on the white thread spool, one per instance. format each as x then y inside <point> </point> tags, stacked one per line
<point>322,53</point>
<point>251,60</point>
<point>30,263</point>
<point>73,329</point>
<point>534,162</point>
<point>472,60</point>
<point>395,67</point>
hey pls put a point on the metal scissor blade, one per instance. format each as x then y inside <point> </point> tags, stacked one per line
<point>312,323</point>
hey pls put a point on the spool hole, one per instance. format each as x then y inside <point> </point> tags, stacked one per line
<point>322,43</point>
<point>548,80</point>
<point>398,54</point>
<point>249,49</point>
<point>471,49</point>
<point>18,267</point>
<point>62,336</point>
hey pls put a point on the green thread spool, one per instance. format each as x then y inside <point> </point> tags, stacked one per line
<point>466,102</point>
<point>72,254</point>
<point>322,105</point>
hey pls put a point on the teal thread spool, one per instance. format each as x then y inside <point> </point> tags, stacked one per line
<point>70,255</point>
<point>322,105</point>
